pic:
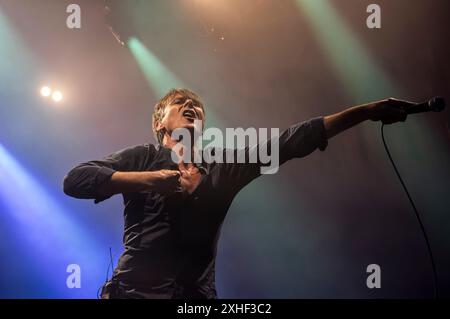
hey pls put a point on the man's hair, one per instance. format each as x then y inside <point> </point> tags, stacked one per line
<point>158,114</point>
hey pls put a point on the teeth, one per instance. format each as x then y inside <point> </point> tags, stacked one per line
<point>189,114</point>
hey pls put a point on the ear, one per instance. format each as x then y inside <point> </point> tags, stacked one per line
<point>159,126</point>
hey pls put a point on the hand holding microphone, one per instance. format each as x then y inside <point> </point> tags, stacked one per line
<point>394,110</point>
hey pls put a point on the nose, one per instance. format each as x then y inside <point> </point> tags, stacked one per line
<point>189,103</point>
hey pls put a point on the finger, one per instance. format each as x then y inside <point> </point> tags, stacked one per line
<point>170,172</point>
<point>175,174</point>
<point>184,173</point>
<point>173,179</point>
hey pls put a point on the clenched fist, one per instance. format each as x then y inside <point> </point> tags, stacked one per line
<point>165,181</point>
<point>388,111</point>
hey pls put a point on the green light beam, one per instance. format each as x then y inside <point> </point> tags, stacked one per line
<point>351,61</point>
<point>364,81</point>
<point>158,76</point>
<point>16,63</point>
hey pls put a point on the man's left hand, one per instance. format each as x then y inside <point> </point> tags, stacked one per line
<point>388,111</point>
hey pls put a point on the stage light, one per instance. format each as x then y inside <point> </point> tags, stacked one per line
<point>47,227</point>
<point>46,91</point>
<point>57,96</point>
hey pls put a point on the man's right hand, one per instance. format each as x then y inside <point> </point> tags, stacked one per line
<point>164,181</point>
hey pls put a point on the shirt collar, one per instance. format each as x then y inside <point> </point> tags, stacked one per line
<point>203,166</point>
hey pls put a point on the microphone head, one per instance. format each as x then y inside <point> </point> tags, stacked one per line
<point>437,104</point>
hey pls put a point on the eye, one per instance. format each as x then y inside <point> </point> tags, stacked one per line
<point>177,101</point>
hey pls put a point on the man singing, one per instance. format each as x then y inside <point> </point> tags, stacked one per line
<point>174,209</point>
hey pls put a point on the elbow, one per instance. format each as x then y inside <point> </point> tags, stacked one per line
<point>81,182</point>
<point>68,186</point>
<point>74,183</point>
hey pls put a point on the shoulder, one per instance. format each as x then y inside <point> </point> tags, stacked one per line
<point>139,149</point>
<point>139,152</point>
<point>144,148</point>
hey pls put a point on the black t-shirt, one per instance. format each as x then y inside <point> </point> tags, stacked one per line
<point>171,241</point>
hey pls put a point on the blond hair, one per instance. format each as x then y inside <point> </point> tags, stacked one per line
<point>160,107</point>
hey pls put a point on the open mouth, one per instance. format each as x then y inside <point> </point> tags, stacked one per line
<point>190,115</point>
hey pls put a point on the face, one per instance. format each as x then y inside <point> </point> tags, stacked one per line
<point>181,112</point>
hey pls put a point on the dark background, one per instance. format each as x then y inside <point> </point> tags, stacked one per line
<point>307,232</point>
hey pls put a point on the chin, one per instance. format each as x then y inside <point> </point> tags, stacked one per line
<point>189,125</point>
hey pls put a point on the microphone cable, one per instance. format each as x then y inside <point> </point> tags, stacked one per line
<point>110,266</point>
<point>430,253</point>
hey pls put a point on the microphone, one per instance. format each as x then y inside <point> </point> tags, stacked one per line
<point>436,104</point>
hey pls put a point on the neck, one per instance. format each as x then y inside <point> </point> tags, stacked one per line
<point>170,143</point>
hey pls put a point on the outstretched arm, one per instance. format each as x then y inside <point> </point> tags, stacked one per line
<point>303,138</point>
<point>387,111</point>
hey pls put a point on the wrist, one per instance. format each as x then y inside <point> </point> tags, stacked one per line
<point>367,110</point>
<point>149,179</point>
